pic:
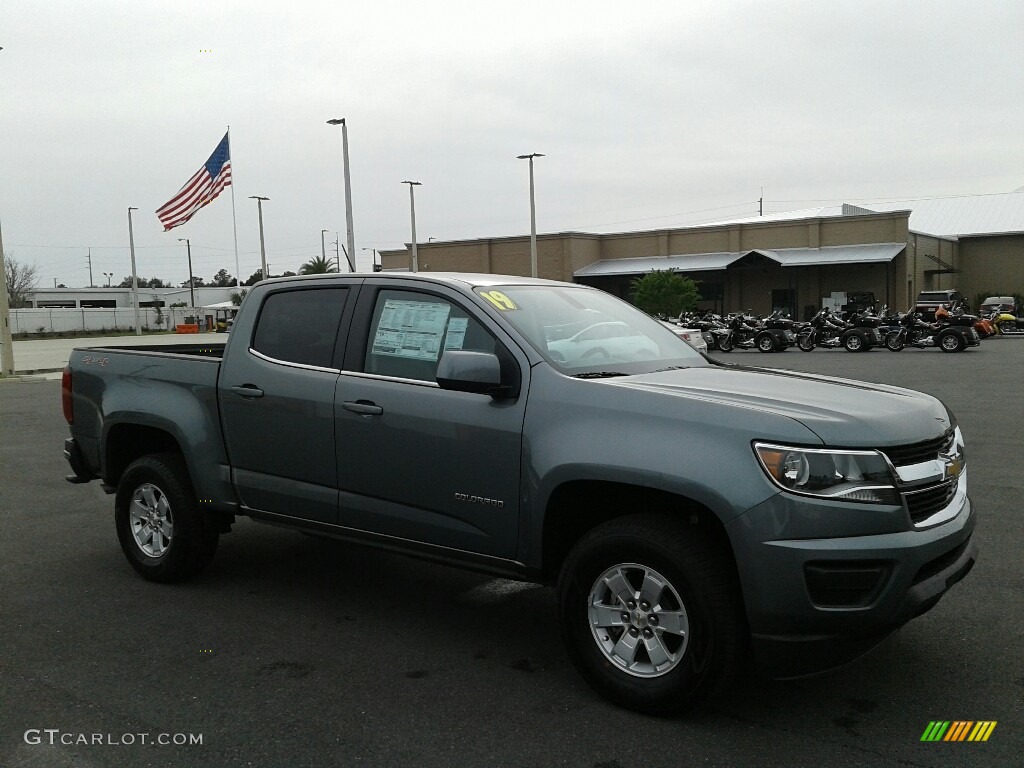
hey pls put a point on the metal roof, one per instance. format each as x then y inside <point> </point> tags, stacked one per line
<point>692,262</point>
<point>951,217</point>
<point>834,254</point>
<point>706,262</point>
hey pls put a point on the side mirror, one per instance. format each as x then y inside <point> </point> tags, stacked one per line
<point>463,371</point>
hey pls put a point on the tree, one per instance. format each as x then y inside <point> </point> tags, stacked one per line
<point>197,282</point>
<point>152,282</point>
<point>238,296</point>
<point>665,292</point>
<point>254,278</point>
<point>316,266</point>
<point>20,279</point>
<point>223,279</point>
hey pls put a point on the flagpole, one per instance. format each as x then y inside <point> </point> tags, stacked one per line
<point>234,217</point>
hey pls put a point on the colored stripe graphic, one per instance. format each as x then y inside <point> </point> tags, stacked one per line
<point>959,730</point>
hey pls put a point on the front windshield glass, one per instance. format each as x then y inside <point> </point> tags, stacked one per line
<point>584,331</point>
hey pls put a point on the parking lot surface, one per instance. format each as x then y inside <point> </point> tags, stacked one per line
<point>295,651</point>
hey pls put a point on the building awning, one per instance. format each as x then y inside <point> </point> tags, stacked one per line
<point>691,262</point>
<point>834,254</point>
<point>870,253</point>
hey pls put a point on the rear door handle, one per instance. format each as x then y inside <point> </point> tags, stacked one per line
<point>248,391</point>
<point>364,407</point>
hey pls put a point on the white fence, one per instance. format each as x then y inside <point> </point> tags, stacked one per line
<point>104,319</point>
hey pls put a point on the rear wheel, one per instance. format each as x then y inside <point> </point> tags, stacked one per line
<point>766,343</point>
<point>161,529</point>
<point>651,614</point>
<point>854,342</point>
<point>952,342</point>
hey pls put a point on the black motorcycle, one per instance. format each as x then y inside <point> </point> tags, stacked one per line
<point>945,335</point>
<point>829,331</point>
<point>746,332</point>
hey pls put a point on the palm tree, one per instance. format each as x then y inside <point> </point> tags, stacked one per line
<point>317,266</point>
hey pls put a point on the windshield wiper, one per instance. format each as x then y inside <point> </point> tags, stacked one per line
<point>598,375</point>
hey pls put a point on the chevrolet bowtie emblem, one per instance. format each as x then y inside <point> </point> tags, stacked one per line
<point>952,465</point>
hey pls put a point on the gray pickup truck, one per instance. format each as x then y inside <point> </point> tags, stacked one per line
<point>691,514</point>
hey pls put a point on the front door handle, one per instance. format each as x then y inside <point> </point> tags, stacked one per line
<point>363,407</point>
<point>248,391</point>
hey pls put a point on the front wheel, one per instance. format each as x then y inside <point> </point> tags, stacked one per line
<point>725,343</point>
<point>650,613</point>
<point>952,342</point>
<point>161,529</point>
<point>806,342</point>
<point>895,342</point>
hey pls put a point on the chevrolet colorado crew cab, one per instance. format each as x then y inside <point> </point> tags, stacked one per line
<point>692,515</point>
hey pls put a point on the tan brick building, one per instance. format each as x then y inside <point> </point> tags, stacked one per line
<point>789,260</point>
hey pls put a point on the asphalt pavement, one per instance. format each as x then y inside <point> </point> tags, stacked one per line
<point>296,651</point>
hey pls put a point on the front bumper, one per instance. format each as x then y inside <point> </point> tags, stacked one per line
<point>817,603</point>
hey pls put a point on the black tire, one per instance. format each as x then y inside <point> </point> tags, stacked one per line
<point>806,342</point>
<point>766,343</point>
<point>854,342</point>
<point>952,342</point>
<point>895,342</point>
<point>697,575</point>
<point>164,480</point>
<point>725,344</point>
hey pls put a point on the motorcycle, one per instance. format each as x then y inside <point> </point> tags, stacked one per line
<point>744,331</point>
<point>915,332</point>
<point>828,331</point>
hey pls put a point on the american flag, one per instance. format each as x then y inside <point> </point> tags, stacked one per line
<point>208,182</point>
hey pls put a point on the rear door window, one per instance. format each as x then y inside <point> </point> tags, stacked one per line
<point>300,326</point>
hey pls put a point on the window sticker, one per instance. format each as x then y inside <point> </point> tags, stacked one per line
<point>456,336</point>
<point>499,300</point>
<point>411,329</point>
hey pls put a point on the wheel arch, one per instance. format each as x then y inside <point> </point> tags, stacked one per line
<point>126,442</point>
<point>577,506</point>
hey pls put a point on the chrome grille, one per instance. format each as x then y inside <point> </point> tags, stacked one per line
<point>925,503</point>
<point>915,453</point>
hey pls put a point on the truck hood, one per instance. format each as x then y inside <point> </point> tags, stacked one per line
<point>843,413</point>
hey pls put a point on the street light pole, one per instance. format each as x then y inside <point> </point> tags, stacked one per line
<point>412,214</point>
<point>135,276</point>
<point>263,248</point>
<point>107,275</point>
<point>349,233</point>
<point>191,283</point>
<point>533,215</point>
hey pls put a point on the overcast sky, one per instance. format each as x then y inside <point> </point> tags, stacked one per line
<point>651,114</point>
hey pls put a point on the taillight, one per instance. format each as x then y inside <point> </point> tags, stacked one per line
<point>65,395</point>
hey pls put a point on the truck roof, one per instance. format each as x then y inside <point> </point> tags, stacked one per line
<point>465,278</point>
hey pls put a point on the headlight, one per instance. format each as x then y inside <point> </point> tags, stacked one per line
<point>860,476</point>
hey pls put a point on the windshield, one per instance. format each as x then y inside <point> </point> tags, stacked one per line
<point>586,332</point>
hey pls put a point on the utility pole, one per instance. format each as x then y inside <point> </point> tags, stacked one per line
<point>191,280</point>
<point>135,274</point>
<point>323,248</point>
<point>533,215</point>
<point>6,342</point>
<point>89,257</point>
<point>263,247</point>
<point>760,203</point>
<point>412,217</point>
